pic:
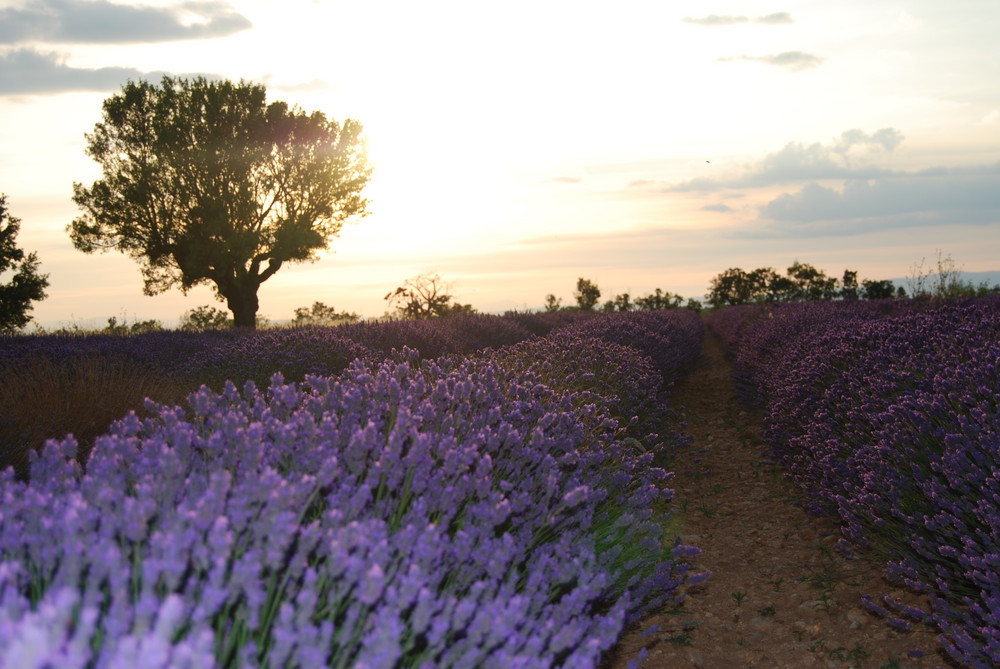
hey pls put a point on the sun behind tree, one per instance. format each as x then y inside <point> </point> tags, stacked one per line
<point>206,183</point>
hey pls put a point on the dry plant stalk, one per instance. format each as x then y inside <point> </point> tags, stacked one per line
<point>42,399</point>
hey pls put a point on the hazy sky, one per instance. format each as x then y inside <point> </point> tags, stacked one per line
<point>520,145</point>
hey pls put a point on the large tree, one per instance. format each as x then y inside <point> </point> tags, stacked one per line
<point>25,285</point>
<point>204,182</point>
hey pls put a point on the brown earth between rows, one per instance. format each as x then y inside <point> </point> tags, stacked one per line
<point>780,595</point>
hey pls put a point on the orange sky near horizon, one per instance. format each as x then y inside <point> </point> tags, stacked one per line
<point>520,146</point>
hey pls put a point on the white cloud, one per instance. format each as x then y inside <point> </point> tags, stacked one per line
<point>716,20</point>
<point>867,198</point>
<point>778,18</point>
<point>939,196</point>
<point>102,22</point>
<point>846,157</point>
<point>713,20</point>
<point>29,72</point>
<point>721,207</point>
<point>793,60</point>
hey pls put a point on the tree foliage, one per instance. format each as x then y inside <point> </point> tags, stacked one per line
<point>801,282</point>
<point>849,285</point>
<point>136,327</point>
<point>587,294</point>
<point>205,317</point>
<point>877,290</point>
<point>25,285</point>
<point>658,300</point>
<point>206,183</point>
<point>622,302</point>
<point>321,314</point>
<point>425,296</point>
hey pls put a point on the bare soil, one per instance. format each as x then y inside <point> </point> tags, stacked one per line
<point>780,595</point>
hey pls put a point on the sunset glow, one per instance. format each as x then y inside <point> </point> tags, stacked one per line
<point>519,146</point>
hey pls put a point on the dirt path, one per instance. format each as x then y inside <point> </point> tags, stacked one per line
<point>779,594</point>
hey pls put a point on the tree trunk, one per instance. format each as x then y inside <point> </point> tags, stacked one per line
<point>242,301</point>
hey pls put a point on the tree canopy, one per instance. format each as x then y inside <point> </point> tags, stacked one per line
<point>322,314</point>
<point>204,182</point>
<point>801,282</point>
<point>587,294</point>
<point>26,285</point>
<point>425,296</point>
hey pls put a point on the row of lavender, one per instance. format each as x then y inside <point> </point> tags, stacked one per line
<point>889,415</point>
<point>503,509</point>
<point>99,377</point>
<point>216,355</point>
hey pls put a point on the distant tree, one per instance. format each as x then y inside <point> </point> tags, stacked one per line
<point>763,285</point>
<point>425,296</point>
<point>552,303</point>
<point>587,294</point>
<point>735,286</point>
<point>137,327</point>
<point>321,314</point>
<point>694,305</point>
<point>984,289</point>
<point>877,290</point>
<point>205,317</point>
<point>849,285</point>
<point>728,288</point>
<point>26,285</point>
<point>811,283</point>
<point>457,309</point>
<point>206,183</point>
<point>658,299</point>
<point>621,302</point>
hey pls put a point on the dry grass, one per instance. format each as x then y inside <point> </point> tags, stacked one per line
<point>41,399</point>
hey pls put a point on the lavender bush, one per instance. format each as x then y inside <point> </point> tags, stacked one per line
<point>891,421</point>
<point>401,513</point>
<point>670,338</point>
<point>599,373</point>
<point>256,356</point>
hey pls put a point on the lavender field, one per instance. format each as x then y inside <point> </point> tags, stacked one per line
<point>885,414</point>
<point>484,491</point>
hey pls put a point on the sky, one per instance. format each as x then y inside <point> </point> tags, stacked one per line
<point>518,146</point>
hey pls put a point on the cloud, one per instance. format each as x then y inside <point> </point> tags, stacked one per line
<point>779,18</point>
<point>846,157</point>
<point>642,183</point>
<point>713,20</point>
<point>940,196</point>
<point>102,22</point>
<point>886,138</point>
<point>838,189</point>
<point>721,207</point>
<point>793,60</point>
<point>28,72</point>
